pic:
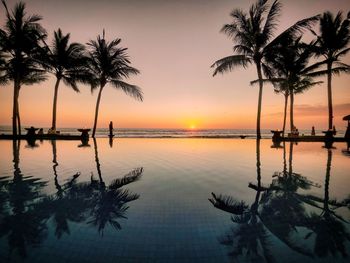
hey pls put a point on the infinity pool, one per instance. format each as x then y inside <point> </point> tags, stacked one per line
<point>174,200</point>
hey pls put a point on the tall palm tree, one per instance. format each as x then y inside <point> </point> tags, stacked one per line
<point>109,64</point>
<point>329,228</point>
<point>66,62</point>
<point>20,40</point>
<point>253,33</point>
<point>22,194</point>
<point>290,70</point>
<point>332,42</point>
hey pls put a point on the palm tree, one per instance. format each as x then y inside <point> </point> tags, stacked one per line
<point>290,71</point>
<point>332,43</point>
<point>253,33</point>
<point>66,62</point>
<point>20,40</point>
<point>109,63</point>
<point>251,235</point>
<point>22,193</point>
<point>328,227</point>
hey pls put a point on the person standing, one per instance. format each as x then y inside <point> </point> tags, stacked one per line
<point>111,129</point>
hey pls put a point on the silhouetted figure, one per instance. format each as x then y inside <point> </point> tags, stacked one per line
<point>313,133</point>
<point>111,141</point>
<point>111,129</point>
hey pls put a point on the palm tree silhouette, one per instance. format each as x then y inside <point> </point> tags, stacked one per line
<point>281,209</point>
<point>250,237</point>
<point>290,69</point>
<point>109,64</point>
<point>277,210</point>
<point>332,42</point>
<point>253,32</point>
<point>110,202</point>
<point>66,62</point>
<point>328,226</point>
<point>22,223</point>
<point>20,42</point>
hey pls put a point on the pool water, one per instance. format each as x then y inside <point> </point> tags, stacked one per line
<point>174,200</point>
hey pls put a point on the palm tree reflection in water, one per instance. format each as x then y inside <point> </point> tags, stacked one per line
<point>26,212</point>
<point>280,212</point>
<point>21,222</point>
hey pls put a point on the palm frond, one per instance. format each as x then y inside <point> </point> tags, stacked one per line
<point>228,204</point>
<point>294,30</point>
<point>71,82</point>
<point>271,19</point>
<point>131,177</point>
<point>229,63</point>
<point>131,90</point>
<point>267,81</point>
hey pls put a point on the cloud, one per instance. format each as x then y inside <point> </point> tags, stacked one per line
<point>318,110</point>
<point>309,110</point>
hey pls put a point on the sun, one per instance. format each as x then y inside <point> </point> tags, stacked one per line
<point>192,127</point>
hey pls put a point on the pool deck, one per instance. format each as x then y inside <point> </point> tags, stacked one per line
<point>314,139</point>
<point>41,137</point>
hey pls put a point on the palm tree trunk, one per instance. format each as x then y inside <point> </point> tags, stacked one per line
<point>290,158</point>
<point>258,68</point>
<point>291,110</point>
<point>14,109</point>
<point>15,150</point>
<point>285,113</point>
<point>96,110</point>
<point>329,89</point>
<point>98,165</point>
<point>326,184</point>
<point>18,120</point>
<point>18,116</point>
<point>54,109</point>
<point>54,158</point>
<point>255,205</point>
<point>258,163</point>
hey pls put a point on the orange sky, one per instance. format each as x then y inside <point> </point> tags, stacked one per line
<point>173,44</point>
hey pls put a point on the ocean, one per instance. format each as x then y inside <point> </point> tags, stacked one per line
<point>172,133</point>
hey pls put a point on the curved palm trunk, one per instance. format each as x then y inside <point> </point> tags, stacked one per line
<point>98,165</point>
<point>329,91</point>
<point>255,205</point>
<point>285,113</point>
<point>291,110</point>
<point>258,68</point>
<point>96,110</point>
<point>54,109</point>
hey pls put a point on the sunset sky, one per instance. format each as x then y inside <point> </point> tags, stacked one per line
<point>173,44</point>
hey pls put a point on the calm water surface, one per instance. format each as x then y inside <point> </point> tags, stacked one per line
<point>174,200</point>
